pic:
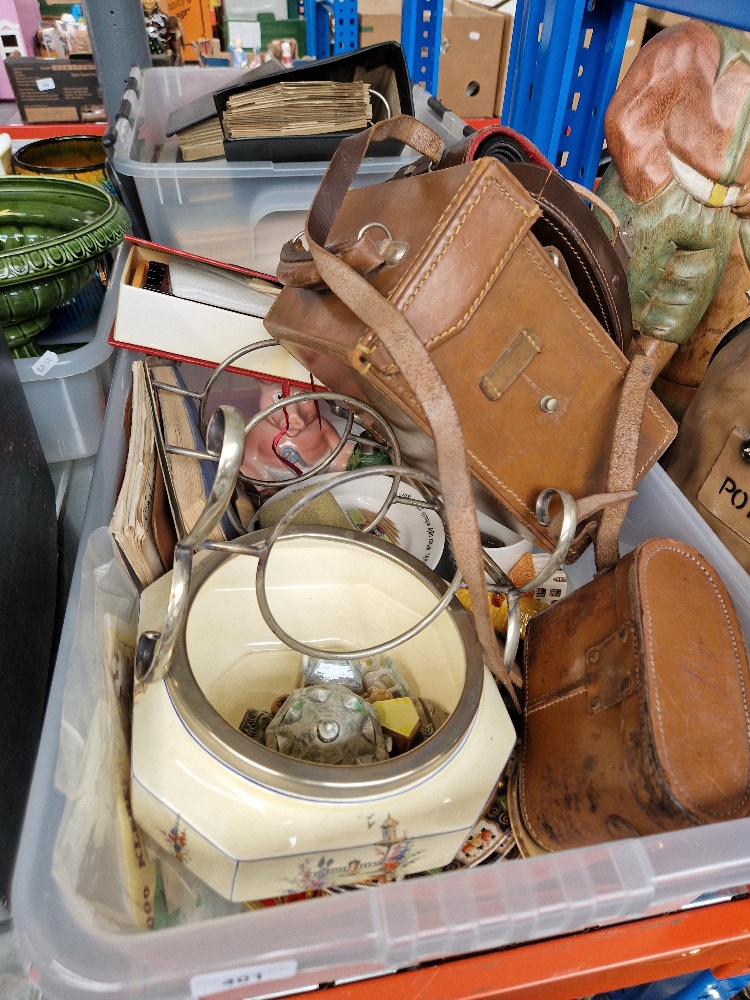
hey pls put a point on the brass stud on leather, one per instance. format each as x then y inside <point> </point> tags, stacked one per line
<point>625,686</point>
<point>595,703</point>
<point>623,635</point>
<point>745,451</point>
<point>594,656</point>
<point>548,404</point>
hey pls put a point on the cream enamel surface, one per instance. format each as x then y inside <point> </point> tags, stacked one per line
<point>248,840</point>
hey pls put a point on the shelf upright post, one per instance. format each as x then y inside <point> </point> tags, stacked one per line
<point>565,59</point>
<point>345,26</point>
<point>421,34</point>
<point>318,15</point>
<point>118,38</point>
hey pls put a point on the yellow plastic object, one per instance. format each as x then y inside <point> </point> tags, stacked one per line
<point>499,609</point>
<point>399,719</point>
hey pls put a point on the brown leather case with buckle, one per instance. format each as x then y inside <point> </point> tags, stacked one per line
<point>535,380</point>
<point>636,713</point>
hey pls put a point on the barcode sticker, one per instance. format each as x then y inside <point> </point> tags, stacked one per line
<point>225,984</point>
<point>46,83</point>
<point>474,36</point>
<point>48,360</point>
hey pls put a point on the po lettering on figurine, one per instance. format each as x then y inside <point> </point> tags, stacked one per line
<point>678,131</point>
<point>291,440</point>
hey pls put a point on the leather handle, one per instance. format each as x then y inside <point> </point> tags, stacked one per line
<point>296,265</point>
<point>604,208</point>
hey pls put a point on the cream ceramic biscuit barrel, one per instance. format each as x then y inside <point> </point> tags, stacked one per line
<point>254,823</point>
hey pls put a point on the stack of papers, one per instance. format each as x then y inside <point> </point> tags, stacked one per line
<point>203,141</point>
<point>312,107</point>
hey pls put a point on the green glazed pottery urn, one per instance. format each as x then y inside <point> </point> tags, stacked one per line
<point>52,232</point>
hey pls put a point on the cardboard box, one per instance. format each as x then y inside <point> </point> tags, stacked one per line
<point>56,90</point>
<point>474,51</point>
<point>185,329</point>
<point>18,24</point>
<point>665,18</point>
<point>635,39</point>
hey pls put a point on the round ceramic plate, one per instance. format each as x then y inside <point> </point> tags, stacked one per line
<point>416,529</point>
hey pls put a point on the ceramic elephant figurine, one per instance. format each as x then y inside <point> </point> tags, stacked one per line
<point>678,130</point>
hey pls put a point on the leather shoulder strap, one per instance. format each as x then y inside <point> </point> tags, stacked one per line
<point>649,358</point>
<point>419,371</point>
<point>424,380</point>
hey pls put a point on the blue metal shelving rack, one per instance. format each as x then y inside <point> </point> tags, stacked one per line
<point>332,28</point>
<point>565,58</point>
<point>421,23</point>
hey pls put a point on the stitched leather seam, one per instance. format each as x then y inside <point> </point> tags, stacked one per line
<point>584,264</point>
<point>551,219</point>
<point>417,262</point>
<point>658,449</point>
<point>522,768</point>
<point>470,208</point>
<point>525,334</point>
<point>521,232</point>
<point>505,486</point>
<point>580,318</point>
<point>688,797</point>
<point>660,446</point>
<point>540,703</point>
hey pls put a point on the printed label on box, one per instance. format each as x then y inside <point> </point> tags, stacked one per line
<point>726,491</point>
<point>48,360</point>
<point>233,982</point>
<point>46,83</point>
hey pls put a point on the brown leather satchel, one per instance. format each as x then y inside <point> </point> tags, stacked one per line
<point>619,676</point>
<point>429,297</point>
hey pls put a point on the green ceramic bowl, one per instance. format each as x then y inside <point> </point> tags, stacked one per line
<point>52,232</point>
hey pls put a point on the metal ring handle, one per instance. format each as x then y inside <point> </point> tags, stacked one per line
<point>292,512</point>
<point>374,225</point>
<point>389,113</point>
<point>567,535</point>
<point>352,404</point>
<point>220,370</point>
<point>154,651</point>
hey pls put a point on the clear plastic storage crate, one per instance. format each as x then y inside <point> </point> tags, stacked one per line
<point>241,213</point>
<point>67,403</point>
<point>294,947</point>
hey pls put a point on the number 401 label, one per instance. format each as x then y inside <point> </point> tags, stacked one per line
<point>233,981</point>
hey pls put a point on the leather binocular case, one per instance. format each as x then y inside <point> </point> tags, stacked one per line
<point>710,460</point>
<point>636,713</point>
